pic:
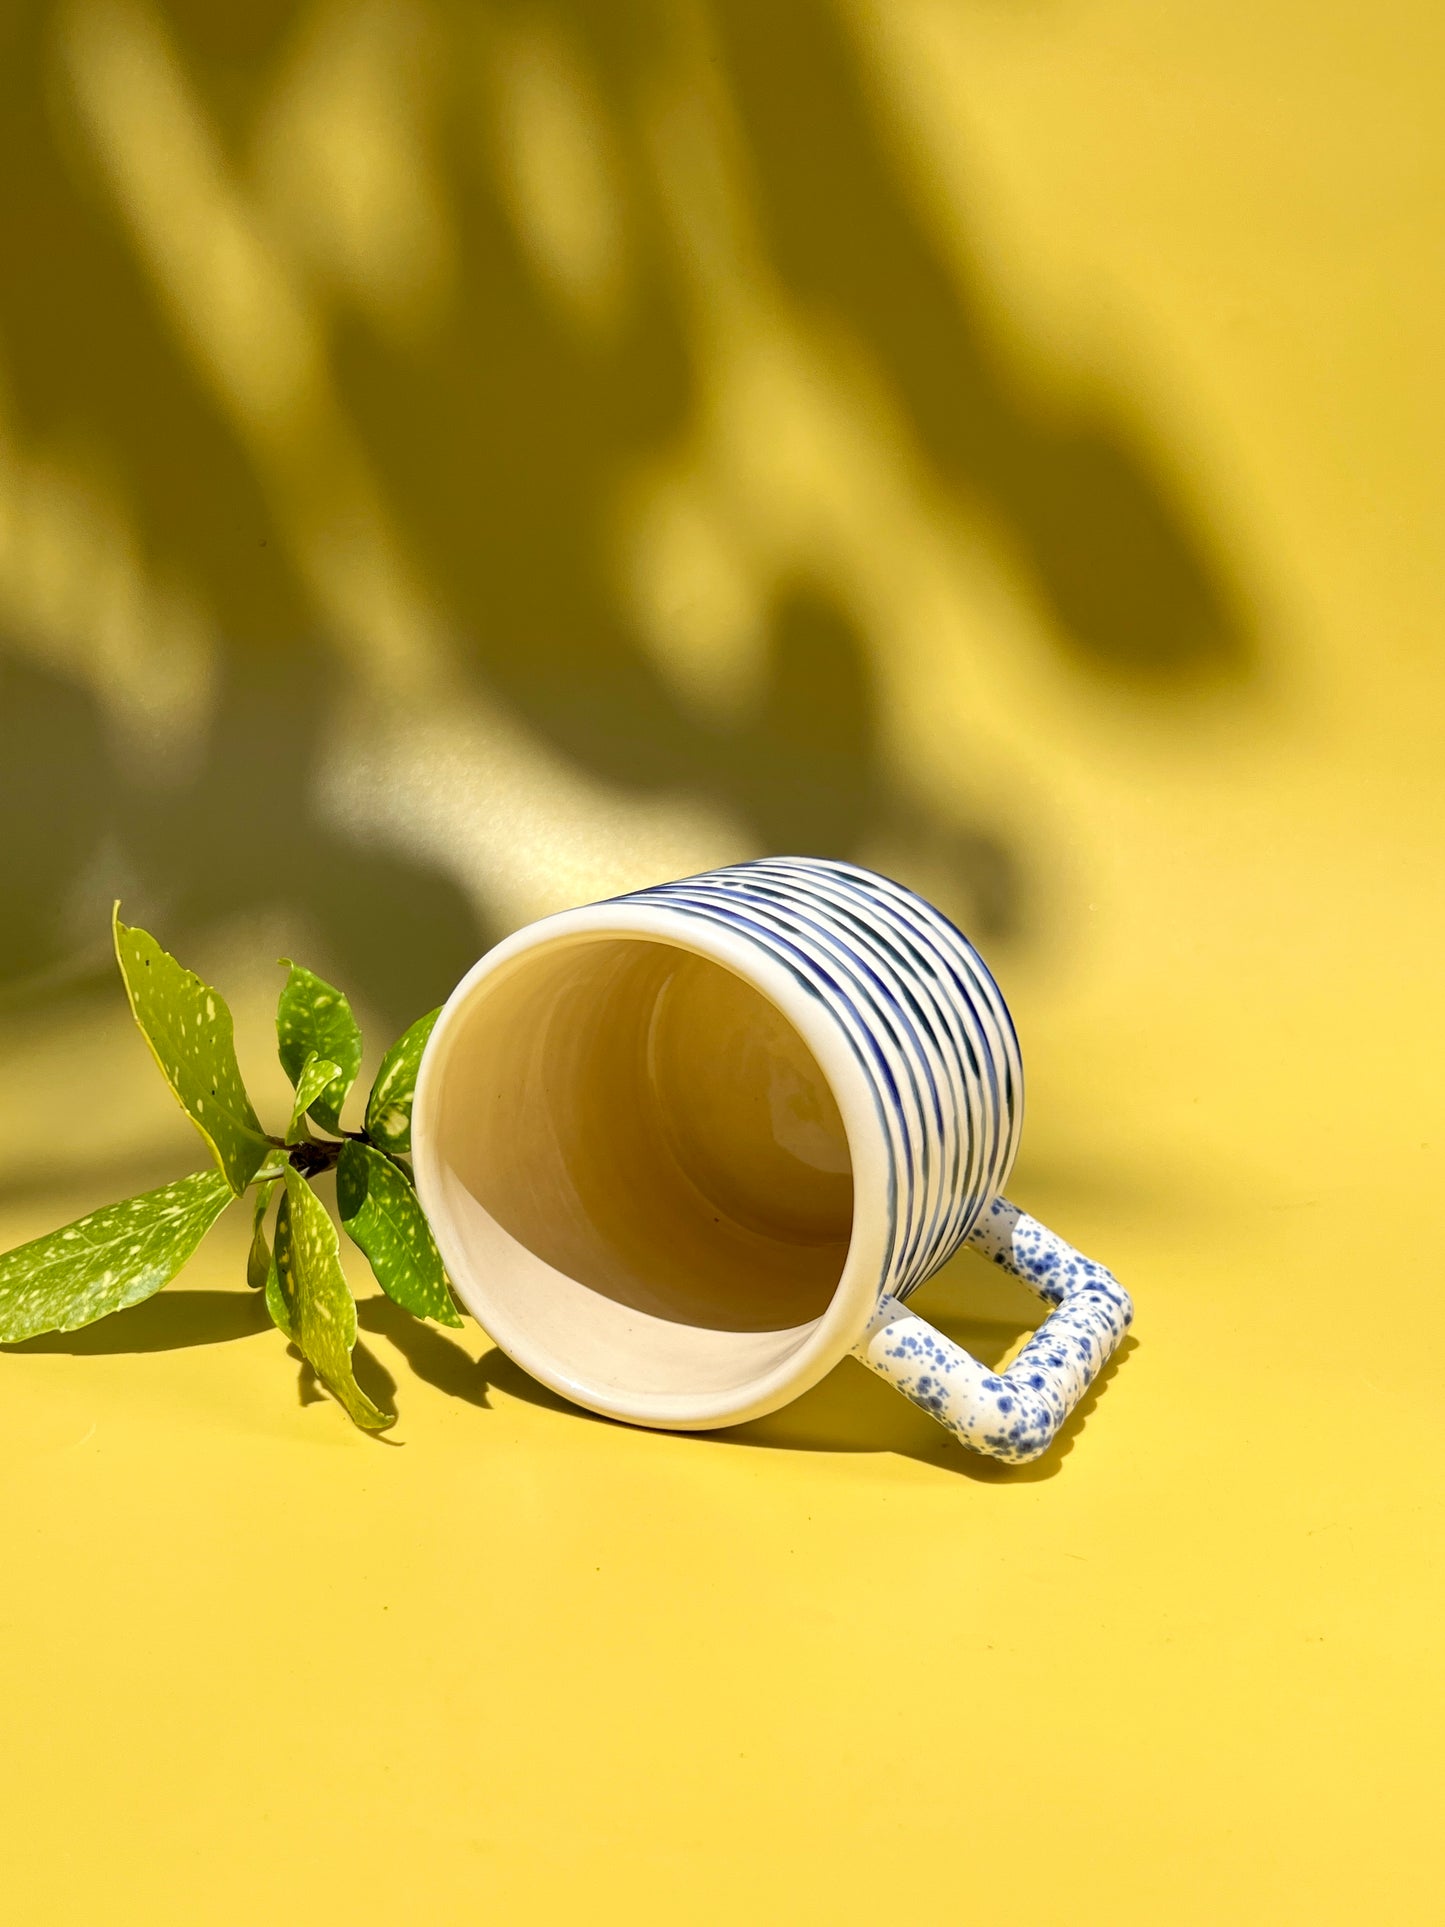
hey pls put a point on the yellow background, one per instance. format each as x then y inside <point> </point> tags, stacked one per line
<point>459,460</point>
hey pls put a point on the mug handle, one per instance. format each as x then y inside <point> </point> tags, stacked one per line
<point>1011,1415</point>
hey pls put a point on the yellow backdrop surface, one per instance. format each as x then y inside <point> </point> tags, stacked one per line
<point>1089,466</point>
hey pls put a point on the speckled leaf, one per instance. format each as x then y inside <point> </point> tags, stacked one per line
<point>319,1302</point>
<point>281,1274</point>
<point>259,1261</point>
<point>314,1016</point>
<point>115,1257</point>
<point>316,1074</point>
<point>388,1109</point>
<point>188,1028</point>
<point>379,1210</point>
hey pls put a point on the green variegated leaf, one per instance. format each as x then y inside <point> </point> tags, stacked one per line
<point>318,1299</point>
<point>388,1109</point>
<point>379,1210</point>
<point>113,1258</point>
<point>259,1261</point>
<point>188,1028</point>
<point>313,1016</point>
<point>316,1074</point>
<point>281,1274</point>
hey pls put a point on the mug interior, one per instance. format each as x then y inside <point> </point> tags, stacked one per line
<point>638,1170</point>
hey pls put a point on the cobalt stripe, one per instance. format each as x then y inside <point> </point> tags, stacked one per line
<point>922,1015</point>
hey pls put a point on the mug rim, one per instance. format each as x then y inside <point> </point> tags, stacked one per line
<point>855,1295</point>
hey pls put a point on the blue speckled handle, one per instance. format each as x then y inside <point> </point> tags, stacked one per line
<point>1012,1415</point>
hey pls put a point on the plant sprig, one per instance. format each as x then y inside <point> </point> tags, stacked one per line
<point>126,1252</point>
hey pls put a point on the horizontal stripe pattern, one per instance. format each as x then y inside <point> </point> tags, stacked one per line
<point>922,1016</point>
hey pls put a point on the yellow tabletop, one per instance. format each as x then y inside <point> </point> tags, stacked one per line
<point>514,1663</point>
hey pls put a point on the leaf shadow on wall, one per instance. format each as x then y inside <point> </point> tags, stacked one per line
<point>1133,588</point>
<point>188,855</point>
<point>500,441</point>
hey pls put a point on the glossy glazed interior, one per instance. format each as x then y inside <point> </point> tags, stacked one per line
<point>645,1167</point>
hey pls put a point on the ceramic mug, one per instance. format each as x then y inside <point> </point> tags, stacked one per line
<point>684,1150</point>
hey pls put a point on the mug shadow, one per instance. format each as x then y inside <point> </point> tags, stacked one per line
<point>849,1411</point>
<point>854,1411</point>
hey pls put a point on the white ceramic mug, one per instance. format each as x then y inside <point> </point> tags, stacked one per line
<point>684,1150</point>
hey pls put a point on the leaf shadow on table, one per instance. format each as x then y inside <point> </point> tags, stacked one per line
<point>370,1374</point>
<point>175,1321</point>
<point>172,1321</point>
<point>434,1357</point>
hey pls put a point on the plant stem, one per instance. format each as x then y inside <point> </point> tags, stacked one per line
<point>313,1156</point>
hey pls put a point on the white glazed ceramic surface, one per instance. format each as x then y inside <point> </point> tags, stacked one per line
<point>684,1150</point>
